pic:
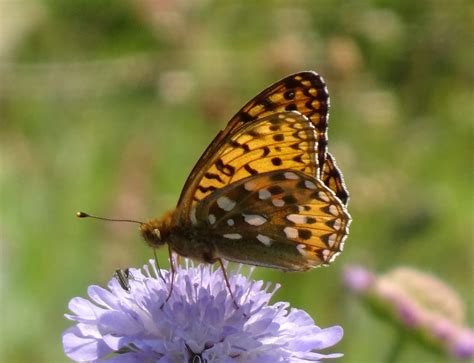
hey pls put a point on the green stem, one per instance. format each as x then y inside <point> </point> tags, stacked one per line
<point>397,347</point>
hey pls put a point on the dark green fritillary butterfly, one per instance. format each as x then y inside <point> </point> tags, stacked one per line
<point>265,192</point>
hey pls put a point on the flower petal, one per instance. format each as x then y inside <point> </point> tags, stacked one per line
<point>83,348</point>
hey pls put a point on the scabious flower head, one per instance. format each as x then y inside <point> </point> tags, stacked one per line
<point>418,302</point>
<point>199,322</point>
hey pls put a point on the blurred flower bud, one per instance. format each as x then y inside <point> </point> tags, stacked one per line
<point>419,303</point>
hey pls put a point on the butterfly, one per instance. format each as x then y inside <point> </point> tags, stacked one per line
<point>266,192</point>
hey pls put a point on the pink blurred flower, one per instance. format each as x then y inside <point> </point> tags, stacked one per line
<point>420,303</point>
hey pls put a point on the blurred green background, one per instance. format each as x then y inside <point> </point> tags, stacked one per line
<point>105,107</point>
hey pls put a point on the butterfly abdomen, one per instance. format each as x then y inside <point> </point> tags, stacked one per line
<point>193,243</point>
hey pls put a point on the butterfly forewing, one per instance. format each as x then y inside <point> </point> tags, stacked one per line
<point>284,219</point>
<point>284,140</point>
<point>304,92</point>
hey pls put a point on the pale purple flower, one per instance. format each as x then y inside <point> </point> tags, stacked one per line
<point>199,323</point>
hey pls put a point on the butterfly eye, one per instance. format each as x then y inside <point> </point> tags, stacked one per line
<point>157,233</point>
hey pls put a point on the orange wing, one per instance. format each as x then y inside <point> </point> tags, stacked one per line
<point>303,92</point>
<point>278,141</point>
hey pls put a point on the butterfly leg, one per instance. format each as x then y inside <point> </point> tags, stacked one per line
<point>228,283</point>
<point>158,266</point>
<point>172,273</point>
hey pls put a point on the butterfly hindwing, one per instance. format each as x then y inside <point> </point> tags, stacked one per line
<point>332,177</point>
<point>283,219</point>
<point>278,141</point>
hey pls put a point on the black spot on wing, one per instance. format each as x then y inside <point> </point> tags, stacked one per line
<point>217,177</point>
<point>246,117</point>
<point>275,189</point>
<point>266,151</point>
<point>207,189</point>
<point>289,199</point>
<point>304,234</point>
<point>289,95</point>
<point>276,161</point>
<point>239,145</point>
<point>250,170</point>
<point>278,177</point>
<point>267,103</point>
<point>228,170</point>
<point>298,159</point>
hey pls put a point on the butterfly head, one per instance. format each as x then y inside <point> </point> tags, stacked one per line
<point>156,231</point>
<point>151,233</point>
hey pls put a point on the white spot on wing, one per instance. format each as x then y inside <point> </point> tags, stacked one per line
<point>230,222</point>
<point>290,175</point>
<point>264,194</point>
<point>232,236</point>
<point>225,203</point>
<point>192,216</point>
<point>323,197</point>
<point>337,224</point>
<point>291,232</point>
<point>326,253</point>
<point>309,184</point>
<point>267,241</point>
<point>332,240</point>
<point>254,219</point>
<point>302,249</point>
<point>211,218</point>
<point>333,210</point>
<point>297,218</point>
<point>278,202</point>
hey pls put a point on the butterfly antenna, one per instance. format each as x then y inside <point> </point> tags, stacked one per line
<point>87,215</point>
